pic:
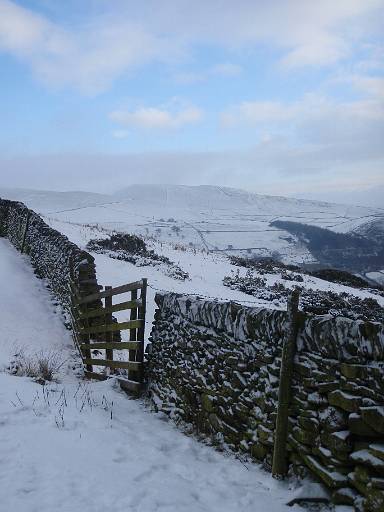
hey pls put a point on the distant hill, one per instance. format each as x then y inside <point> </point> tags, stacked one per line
<point>46,200</point>
<point>217,219</point>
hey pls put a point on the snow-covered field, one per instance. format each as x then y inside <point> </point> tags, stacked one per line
<point>206,271</point>
<point>75,445</point>
<point>215,218</point>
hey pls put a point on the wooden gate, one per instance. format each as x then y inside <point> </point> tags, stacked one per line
<point>98,335</point>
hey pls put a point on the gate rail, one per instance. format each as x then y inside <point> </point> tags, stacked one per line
<point>97,333</point>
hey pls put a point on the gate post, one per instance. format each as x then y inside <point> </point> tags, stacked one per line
<point>108,321</point>
<point>141,331</point>
<point>279,463</point>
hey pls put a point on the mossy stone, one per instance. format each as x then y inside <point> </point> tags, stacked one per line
<point>208,402</point>
<point>377,450</point>
<point>214,421</point>
<point>374,417</point>
<point>310,424</point>
<point>344,496</point>
<point>259,451</point>
<point>332,479</point>
<point>374,501</point>
<point>345,401</point>
<point>358,427</point>
<point>304,436</point>
<point>353,371</point>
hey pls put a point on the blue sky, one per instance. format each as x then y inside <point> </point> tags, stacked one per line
<point>284,96</point>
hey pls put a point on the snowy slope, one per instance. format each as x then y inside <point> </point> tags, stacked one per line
<point>206,271</point>
<point>186,224</point>
<point>215,218</point>
<point>27,318</point>
<point>42,200</point>
<point>72,445</point>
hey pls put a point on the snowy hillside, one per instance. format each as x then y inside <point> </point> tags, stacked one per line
<point>217,219</point>
<point>206,271</point>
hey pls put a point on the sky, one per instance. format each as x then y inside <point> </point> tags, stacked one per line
<point>281,96</point>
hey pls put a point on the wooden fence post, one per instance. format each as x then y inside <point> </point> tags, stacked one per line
<point>86,338</point>
<point>132,374</point>
<point>26,226</point>
<point>108,334</point>
<point>141,330</point>
<point>279,463</point>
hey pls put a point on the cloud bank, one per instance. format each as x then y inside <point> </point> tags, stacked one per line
<point>93,54</point>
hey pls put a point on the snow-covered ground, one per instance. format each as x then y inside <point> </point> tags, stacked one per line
<point>206,271</point>
<point>84,446</point>
<point>28,319</point>
<point>76,445</point>
<point>215,218</point>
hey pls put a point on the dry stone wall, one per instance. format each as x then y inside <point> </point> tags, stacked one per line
<point>52,255</point>
<point>216,367</point>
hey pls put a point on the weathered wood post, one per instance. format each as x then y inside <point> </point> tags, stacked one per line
<point>279,463</point>
<point>132,374</point>
<point>141,330</point>
<point>108,321</point>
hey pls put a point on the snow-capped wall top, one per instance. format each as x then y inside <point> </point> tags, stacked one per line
<point>337,338</point>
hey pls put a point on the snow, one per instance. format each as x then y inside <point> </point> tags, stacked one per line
<point>343,435</point>
<point>206,271</point>
<point>90,448</point>
<point>25,302</point>
<point>376,276</point>
<point>134,461</point>
<point>209,217</point>
<point>365,457</point>
<point>311,491</point>
<point>74,445</point>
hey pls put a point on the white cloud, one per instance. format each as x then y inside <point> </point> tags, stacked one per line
<point>321,50</point>
<point>310,110</point>
<point>314,33</point>
<point>371,85</point>
<point>314,134</point>
<point>88,59</point>
<point>24,33</point>
<point>128,34</point>
<point>258,112</point>
<point>153,117</point>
